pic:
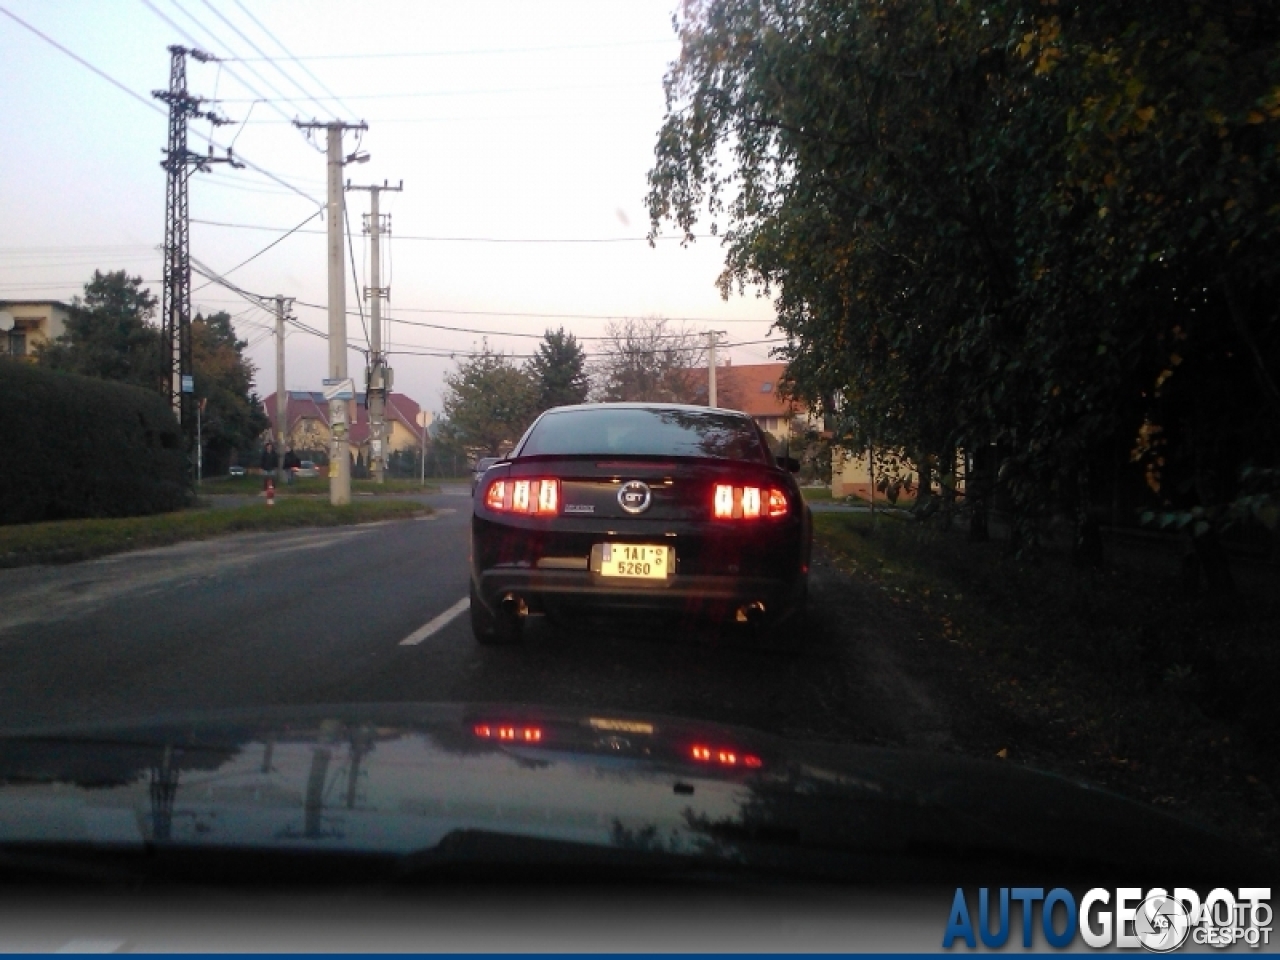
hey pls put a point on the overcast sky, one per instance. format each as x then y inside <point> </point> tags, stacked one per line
<point>517,122</point>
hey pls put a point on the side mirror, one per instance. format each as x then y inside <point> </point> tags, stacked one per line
<point>790,464</point>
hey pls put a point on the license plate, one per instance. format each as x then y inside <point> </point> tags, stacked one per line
<point>635,561</point>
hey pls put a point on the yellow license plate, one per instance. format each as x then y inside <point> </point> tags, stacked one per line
<point>635,560</point>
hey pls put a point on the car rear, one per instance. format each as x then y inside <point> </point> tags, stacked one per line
<point>638,509</point>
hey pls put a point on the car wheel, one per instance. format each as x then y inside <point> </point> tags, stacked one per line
<point>493,631</point>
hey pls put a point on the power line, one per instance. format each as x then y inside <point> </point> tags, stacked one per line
<point>150,105</point>
<point>478,52</point>
<point>260,252</point>
<point>355,281</point>
<point>404,236</point>
<point>217,42</point>
<point>238,32</point>
<point>547,316</point>
<point>84,63</point>
<point>481,91</point>
<point>303,66</point>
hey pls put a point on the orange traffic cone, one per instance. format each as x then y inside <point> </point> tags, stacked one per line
<point>271,492</point>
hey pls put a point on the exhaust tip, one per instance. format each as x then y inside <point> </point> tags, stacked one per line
<point>752,612</point>
<point>514,606</point>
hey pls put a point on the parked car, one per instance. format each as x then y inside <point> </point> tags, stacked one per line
<point>640,509</point>
<point>235,471</point>
<point>306,468</point>
<point>482,465</point>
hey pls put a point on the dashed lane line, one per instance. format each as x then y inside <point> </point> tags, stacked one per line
<point>436,624</point>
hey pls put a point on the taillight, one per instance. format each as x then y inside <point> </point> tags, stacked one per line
<point>748,503</point>
<point>535,497</point>
<point>725,757</point>
<point>508,734</point>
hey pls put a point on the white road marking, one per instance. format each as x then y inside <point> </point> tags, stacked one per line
<point>436,624</point>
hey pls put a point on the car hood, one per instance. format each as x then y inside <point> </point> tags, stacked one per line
<point>490,785</point>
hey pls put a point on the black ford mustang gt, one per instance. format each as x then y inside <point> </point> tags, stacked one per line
<point>630,507</point>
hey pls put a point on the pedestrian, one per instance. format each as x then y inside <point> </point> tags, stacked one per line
<point>291,463</point>
<point>270,461</point>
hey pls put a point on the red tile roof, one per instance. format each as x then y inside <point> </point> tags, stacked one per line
<point>311,405</point>
<point>749,387</point>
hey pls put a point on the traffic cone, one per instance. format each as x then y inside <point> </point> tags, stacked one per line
<point>271,492</point>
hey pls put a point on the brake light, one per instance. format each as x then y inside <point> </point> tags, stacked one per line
<point>748,503</point>
<point>725,757</point>
<point>539,497</point>
<point>508,734</point>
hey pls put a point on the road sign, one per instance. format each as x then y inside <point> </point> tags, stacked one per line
<point>188,383</point>
<point>339,389</point>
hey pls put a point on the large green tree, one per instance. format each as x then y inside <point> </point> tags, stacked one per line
<point>488,402</point>
<point>559,370</point>
<point>233,418</point>
<point>1011,227</point>
<point>109,333</point>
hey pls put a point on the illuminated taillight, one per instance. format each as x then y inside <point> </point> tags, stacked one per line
<point>549,496</point>
<point>508,734</point>
<point>537,497</point>
<point>724,501</point>
<point>777,505</point>
<point>496,495</point>
<point>748,503</point>
<point>724,757</point>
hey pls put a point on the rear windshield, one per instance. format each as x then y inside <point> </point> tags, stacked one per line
<point>658,432</point>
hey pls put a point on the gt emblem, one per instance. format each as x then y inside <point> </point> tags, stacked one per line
<point>634,496</point>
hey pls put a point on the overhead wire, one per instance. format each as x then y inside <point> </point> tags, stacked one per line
<point>261,26</point>
<point>482,51</point>
<point>410,236</point>
<point>238,32</point>
<point>262,251</point>
<point>355,281</point>
<point>149,104</point>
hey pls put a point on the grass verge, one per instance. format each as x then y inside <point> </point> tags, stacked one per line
<point>251,486</point>
<point>67,541</point>
<point>1119,675</point>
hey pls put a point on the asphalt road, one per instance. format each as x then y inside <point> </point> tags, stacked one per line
<point>323,616</point>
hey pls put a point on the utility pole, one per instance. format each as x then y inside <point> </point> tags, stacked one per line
<point>713,337</point>
<point>378,380</point>
<point>179,162</point>
<point>282,395</point>
<point>340,443</point>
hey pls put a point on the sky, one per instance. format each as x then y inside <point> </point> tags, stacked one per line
<point>522,132</point>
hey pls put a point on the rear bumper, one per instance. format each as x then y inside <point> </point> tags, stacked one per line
<point>694,596</point>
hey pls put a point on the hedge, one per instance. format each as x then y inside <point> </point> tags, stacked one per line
<point>73,446</point>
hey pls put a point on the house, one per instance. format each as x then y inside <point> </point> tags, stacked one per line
<point>752,388</point>
<point>34,322</point>
<point>307,418</point>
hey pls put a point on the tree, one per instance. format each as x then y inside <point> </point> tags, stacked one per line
<point>1005,227</point>
<point>233,417</point>
<point>559,371</point>
<point>109,334</point>
<point>488,402</point>
<point>648,360</point>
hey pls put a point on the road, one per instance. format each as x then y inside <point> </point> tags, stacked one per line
<point>323,616</point>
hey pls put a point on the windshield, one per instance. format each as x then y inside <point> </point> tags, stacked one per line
<point>656,432</point>
<point>818,440</point>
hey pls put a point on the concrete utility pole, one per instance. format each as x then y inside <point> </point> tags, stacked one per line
<point>340,444</point>
<point>282,395</point>
<point>378,383</point>
<point>713,336</point>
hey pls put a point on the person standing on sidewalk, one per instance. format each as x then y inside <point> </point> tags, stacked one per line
<point>291,463</point>
<point>270,461</point>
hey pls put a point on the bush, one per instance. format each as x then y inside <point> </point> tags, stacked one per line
<point>82,447</point>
